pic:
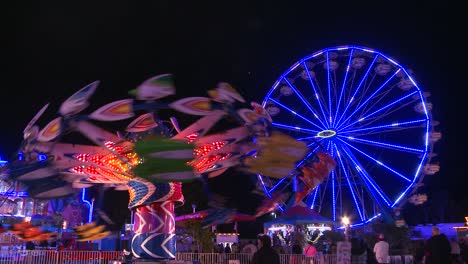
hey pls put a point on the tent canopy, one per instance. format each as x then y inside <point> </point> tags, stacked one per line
<point>299,215</point>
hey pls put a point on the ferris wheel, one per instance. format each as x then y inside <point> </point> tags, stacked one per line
<point>369,113</point>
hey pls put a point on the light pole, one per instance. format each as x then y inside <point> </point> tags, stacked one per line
<point>345,221</point>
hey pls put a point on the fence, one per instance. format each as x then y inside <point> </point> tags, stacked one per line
<point>106,257</point>
<point>216,258</point>
<point>58,257</point>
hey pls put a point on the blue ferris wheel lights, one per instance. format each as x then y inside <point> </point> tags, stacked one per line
<point>329,89</point>
<point>375,160</point>
<point>367,179</point>
<point>363,104</point>
<point>314,89</point>
<point>369,98</point>
<point>393,146</point>
<point>378,110</point>
<point>344,82</point>
<point>393,124</point>
<point>294,128</point>
<point>350,187</point>
<point>293,112</point>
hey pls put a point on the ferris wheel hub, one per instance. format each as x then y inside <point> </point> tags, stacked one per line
<point>328,133</point>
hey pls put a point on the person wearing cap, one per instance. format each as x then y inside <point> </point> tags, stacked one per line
<point>381,250</point>
<point>265,254</point>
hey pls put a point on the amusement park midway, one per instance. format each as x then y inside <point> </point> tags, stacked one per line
<point>55,49</point>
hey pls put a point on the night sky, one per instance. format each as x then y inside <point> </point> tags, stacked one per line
<point>54,48</point>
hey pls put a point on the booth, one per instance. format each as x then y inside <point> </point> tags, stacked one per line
<point>298,219</point>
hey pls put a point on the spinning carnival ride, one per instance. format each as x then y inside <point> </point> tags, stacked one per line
<point>367,111</point>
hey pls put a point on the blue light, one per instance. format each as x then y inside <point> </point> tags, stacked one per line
<point>263,185</point>
<point>276,185</point>
<point>372,142</point>
<point>315,90</point>
<point>369,98</point>
<point>329,90</point>
<point>303,100</point>
<point>344,83</point>
<point>41,157</point>
<point>294,128</point>
<point>358,87</point>
<point>400,124</point>
<point>333,196</point>
<point>351,188</point>
<point>15,194</point>
<point>366,177</point>
<point>383,165</point>
<point>333,184</point>
<point>378,110</point>
<point>360,107</point>
<point>315,196</point>
<point>90,205</point>
<point>292,111</point>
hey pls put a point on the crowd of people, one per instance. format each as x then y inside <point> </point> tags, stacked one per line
<point>438,249</point>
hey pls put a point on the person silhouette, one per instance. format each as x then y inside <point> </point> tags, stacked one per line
<point>437,250</point>
<point>265,254</point>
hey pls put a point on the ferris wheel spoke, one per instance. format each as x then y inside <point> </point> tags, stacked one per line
<point>301,97</point>
<point>382,116</point>
<point>372,96</point>
<point>316,92</point>
<point>333,190</point>
<point>340,161</point>
<point>376,161</point>
<point>314,197</point>
<point>330,121</point>
<point>295,128</point>
<point>383,144</point>
<point>379,110</point>
<point>357,88</point>
<point>265,189</point>
<point>294,112</point>
<point>392,127</point>
<point>323,195</point>
<point>277,184</point>
<point>370,184</point>
<point>343,86</point>
<point>334,182</point>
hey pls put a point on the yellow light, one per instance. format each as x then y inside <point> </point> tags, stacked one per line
<point>345,220</point>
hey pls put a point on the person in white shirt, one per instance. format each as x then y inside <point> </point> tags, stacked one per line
<point>381,250</point>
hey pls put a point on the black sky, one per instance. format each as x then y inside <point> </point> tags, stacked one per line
<point>53,48</point>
